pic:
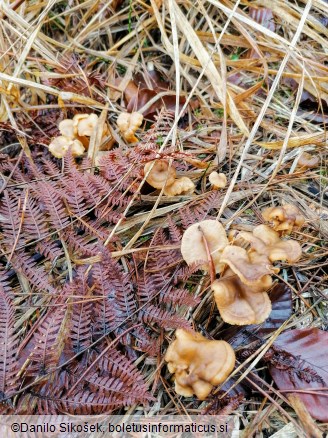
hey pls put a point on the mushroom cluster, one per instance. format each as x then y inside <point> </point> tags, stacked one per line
<point>128,124</point>
<point>198,363</point>
<point>245,264</point>
<point>75,134</point>
<point>160,174</point>
<point>284,218</point>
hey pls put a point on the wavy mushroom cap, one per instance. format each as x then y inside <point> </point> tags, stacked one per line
<point>218,180</point>
<point>284,218</point>
<point>60,145</point>
<point>180,186</point>
<point>160,173</point>
<point>198,363</point>
<point>84,124</point>
<point>251,268</point>
<point>239,303</point>
<point>193,246</point>
<point>308,161</point>
<point>128,124</point>
<point>264,240</point>
<point>66,128</point>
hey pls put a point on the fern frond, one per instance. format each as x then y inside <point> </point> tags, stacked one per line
<point>8,347</point>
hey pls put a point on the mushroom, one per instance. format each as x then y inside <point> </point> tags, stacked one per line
<point>239,303</point>
<point>203,240</point>
<point>60,145</point>
<point>180,186</point>
<point>308,161</point>
<point>218,180</point>
<point>252,268</point>
<point>198,363</point>
<point>265,241</point>
<point>84,124</point>
<point>128,124</point>
<point>66,128</point>
<point>284,218</point>
<point>161,173</point>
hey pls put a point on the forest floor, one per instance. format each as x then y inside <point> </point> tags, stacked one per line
<point>93,283</point>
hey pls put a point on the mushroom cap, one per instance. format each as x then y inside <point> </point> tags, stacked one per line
<point>193,248</point>
<point>276,249</point>
<point>180,186</point>
<point>284,218</point>
<point>60,145</point>
<point>198,363</point>
<point>66,128</point>
<point>160,174</point>
<point>128,124</point>
<point>239,303</point>
<point>218,180</point>
<point>308,161</point>
<point>84,124</point>
<point>266,241</point>
<point>251,268</point>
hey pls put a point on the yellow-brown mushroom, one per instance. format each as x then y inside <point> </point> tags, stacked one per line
<point>239,303</point>
<point>203,240</point>
<point>84,124</point>
<point>128,124</point>
<point>308,161</point>
<point>218,180</point>
<point>284,218</point>
<point>60,145</point>
<point>252,268</point>
<point>160,173</point>
<point>266,241</point>
<point>198,364</point>
<point>180,186</point>
<point>66,128</point>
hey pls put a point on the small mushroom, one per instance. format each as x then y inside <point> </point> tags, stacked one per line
<point>60,145</point>
<point>84,124</point>
<point>199,364</point>
<point>265,241</point>
<point>161,173</point>
<point>218,180</point>
<point>239,303</point>
<point>180,186</point>
<point>204,239</point>
<point>128,124</point>
<point>66,128</point>
<point>252,268</point>
<point>284,218</point>
<point>308,161</point>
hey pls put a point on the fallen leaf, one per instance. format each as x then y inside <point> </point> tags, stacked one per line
<point>300,362</point>
<point>263,16</point>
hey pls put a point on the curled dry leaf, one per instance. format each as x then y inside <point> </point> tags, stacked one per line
<point>300,362</point>
<point>137,94</point>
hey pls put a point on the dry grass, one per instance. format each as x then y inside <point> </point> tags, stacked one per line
<point>250,80</point>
